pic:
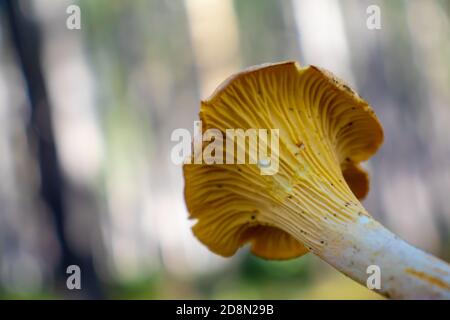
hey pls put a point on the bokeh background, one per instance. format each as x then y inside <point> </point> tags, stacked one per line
<point>86,117</point>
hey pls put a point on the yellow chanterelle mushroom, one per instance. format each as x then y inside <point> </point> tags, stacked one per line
<point>311,204</point>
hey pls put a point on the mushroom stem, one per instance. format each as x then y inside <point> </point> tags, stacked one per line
<point>406,272</point>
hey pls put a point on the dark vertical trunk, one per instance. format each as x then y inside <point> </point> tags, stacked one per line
<point>25,37</point>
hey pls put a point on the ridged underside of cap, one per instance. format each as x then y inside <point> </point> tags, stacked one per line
<point>325,130</point>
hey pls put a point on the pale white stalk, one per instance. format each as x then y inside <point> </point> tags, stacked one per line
<point>406,272</point>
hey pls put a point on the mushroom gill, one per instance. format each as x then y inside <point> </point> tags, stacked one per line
<point>325,131</point>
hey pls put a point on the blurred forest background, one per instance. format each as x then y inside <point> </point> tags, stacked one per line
<point>86,117</point>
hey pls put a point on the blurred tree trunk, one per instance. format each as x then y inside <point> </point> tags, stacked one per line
<point>25,37</point>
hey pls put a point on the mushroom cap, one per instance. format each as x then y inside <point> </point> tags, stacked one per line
<point>325,131</point>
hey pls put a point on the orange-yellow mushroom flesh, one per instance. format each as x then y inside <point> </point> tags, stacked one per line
<point>325,130</point>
